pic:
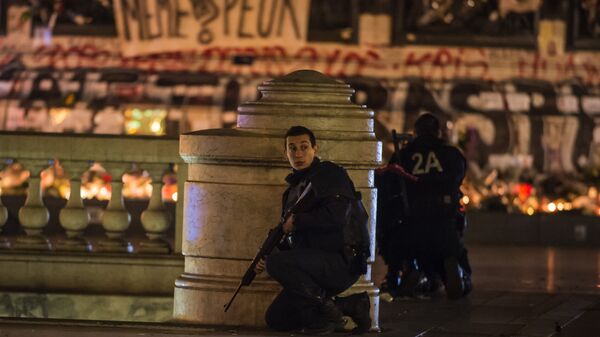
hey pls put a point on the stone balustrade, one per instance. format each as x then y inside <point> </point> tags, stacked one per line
<point>76,153</point>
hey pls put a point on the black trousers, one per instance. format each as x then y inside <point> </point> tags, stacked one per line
<point>436,239</point>
<point>307,276</point>
<point>400,252</point>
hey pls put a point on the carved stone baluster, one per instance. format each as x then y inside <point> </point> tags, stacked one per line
<point>4,243</point>
<point>115,218</point>
<point>74,218</point>
<point>155,219</point>
<point>34,215</point>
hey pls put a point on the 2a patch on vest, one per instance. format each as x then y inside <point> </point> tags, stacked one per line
<point>425,166</point>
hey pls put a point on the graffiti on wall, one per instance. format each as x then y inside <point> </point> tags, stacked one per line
<point>548,126</point>
<point>541,110</point>
<point>439,63</point>
<point>526,123</point>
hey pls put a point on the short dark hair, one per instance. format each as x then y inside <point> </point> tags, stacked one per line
<point>299,130</point>
<point>427,125</point>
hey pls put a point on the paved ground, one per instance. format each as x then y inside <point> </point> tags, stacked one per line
<point>519,291</point>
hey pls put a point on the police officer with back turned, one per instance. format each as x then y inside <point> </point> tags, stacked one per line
<point>434,205</point>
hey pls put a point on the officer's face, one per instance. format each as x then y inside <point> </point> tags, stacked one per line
<point>299,151</point>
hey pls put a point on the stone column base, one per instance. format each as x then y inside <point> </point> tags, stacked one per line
<point>202,299</point>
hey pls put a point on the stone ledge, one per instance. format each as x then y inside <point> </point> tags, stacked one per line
<point>94,328</point>
<point>90,273</point>
<point>88,307</point>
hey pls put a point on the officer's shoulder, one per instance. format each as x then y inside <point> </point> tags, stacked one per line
<point>331,178</point>
<point>453,150</point>
<point>331,166</point>
<point>331,170</point>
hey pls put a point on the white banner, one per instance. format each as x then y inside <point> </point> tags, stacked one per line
<point>591,105</point>
<point>156,26</point>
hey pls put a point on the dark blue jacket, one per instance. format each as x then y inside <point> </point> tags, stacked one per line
<point>320,221</point>
<point>440,169</point>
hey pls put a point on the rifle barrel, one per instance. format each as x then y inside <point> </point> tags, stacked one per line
<point>273,239</point>
<point>397,139</point>
<point>233,297</point>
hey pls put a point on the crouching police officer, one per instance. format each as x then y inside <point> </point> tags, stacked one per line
<point>434,205</point>
<point>311,264</point>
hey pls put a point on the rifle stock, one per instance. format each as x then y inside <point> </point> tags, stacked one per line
<point>275,236</point>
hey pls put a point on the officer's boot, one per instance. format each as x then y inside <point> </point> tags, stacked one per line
<point>463,262</point>
<point>392,282</point>
<point>409,281</point>
<point>317,326</point>
<point>333,314</point>
<point>455,288</point>
<point>467,285</point>
<point>357,307</point>
<point>314,312</point>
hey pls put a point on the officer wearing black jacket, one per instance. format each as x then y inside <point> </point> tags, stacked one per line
<point>394,233</point>
<point>434,204</point>
<point>312,265</point>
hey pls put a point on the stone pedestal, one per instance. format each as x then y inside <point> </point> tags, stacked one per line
<point>234,186</point>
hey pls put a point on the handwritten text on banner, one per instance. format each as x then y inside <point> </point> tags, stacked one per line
<point>154,26</point>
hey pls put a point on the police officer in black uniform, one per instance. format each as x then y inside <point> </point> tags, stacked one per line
<point>434,205</point>
<point>312,265</point>
<point>394,232</point>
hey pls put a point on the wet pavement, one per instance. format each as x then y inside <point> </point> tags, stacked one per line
<point>491,313</point>
<point>537,269</point>
<point>518,292</point>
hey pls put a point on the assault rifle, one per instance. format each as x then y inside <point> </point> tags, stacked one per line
<point>275,236</point>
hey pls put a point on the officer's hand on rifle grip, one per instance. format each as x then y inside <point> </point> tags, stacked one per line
<point>288,225</point>
<point>260,266</point>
